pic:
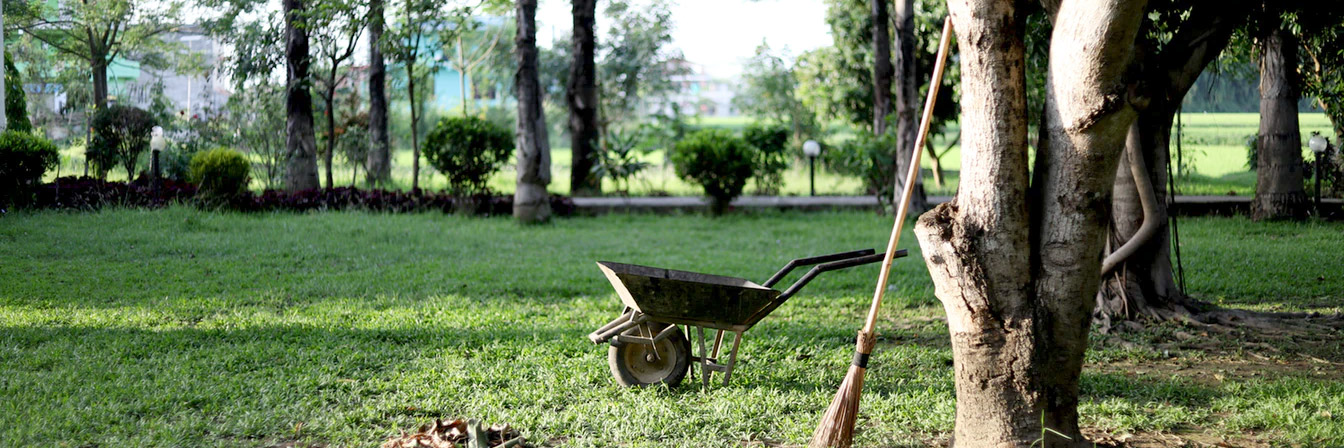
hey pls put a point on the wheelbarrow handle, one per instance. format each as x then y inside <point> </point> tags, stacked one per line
<point>834,265</point>
<point>815,260</point>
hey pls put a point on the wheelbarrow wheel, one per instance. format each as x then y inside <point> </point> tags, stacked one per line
<point>637,365</point>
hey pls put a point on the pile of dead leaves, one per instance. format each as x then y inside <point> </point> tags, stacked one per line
<point>458,434</point>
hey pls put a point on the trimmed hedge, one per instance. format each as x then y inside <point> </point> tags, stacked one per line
<point>87,193</point>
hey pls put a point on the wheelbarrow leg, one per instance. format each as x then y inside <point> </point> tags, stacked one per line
<point>732,356</point>
<point>704,359</point>
<point>718,343</point>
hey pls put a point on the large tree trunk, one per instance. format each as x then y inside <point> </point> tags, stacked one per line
<point>907,101</point>
<point>1278,177</point>
<point>379,169</point>
<point>300,142</point>
<point>1143,285</point>
<point>530,200</point>
<point>1018,284</point>
<point>976,246</point>
<point>582,97</point>
<point>1088,116</point>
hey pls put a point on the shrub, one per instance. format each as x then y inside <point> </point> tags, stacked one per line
<point>120,135</point>
<point>718,161</point>
<point>220,174</point>
<point>772,157</point>
<point>468,150</point>
<point>16,99</point>
<point>618,159</point>
<point>24,158</point>
<point>869,158</point>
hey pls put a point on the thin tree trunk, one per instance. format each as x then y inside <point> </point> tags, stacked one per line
<point>977,248</point>
<point>937,163</point>
<point>300,142</point>
<point>99,67</point>
<point>4,120</point>
<point>415,127</point>
<point>379,169</point>
<point>581,94</point>
<point>882,69</point>
<point>331,127</point>
<point>907,102</point>
<point>531,202</point>
<point>1279,193</point>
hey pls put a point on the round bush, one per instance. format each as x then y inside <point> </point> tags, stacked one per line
<point>718,161</point>
<point>772,154</point>
<point>24,158</point>
<point>468,150</point>
<point>220,173</point>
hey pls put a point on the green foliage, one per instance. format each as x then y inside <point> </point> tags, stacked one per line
<point>16,99</point>
<point>868,158</point>
<point>468,150</point>
<point>618,158</point>
<point>24,158</point>
<point>120,135</point>
<point>718,161</point>
<point>220,174</point>
<point>772,155</point>
<point>637,59</point>
<point>769,91</point>
<point>256,118</point>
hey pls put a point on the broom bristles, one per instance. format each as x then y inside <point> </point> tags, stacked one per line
<point>836,429</point>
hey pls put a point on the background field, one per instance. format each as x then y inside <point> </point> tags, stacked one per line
<point>1214,146</point>
<point>177,327</point>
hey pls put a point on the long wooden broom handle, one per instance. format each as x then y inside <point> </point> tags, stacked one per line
<point>904,206</point>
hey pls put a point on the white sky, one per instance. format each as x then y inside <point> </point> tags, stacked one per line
<point>718,34</point>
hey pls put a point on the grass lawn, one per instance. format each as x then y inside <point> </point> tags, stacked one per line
<point>132,328</point>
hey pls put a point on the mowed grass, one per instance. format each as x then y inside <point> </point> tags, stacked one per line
<point>176,327</point>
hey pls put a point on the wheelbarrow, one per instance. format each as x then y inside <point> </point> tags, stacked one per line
<point>648,344</point>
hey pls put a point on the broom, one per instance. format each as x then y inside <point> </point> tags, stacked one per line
<point>837,424</point>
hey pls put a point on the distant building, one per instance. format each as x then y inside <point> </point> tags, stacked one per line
<point>697,92</point>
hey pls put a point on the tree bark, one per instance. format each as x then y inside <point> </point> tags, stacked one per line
<point>582,98</point>
<point>379,170</point>
<point>1087,119</point>
<point>976,247</point>
<point>1279,193</point>
<point>531,202</point>
<point>98,62</point>
<point>330,152</point>
<point>300,141</point>
<point>882,69</point>
<point>1019,283</point>
<point>907,102</point>
<point>1143,285</point>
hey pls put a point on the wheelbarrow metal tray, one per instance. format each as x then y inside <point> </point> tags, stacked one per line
<point>691,298</point>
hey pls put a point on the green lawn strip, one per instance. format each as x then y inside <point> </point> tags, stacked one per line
<point>184,328</point>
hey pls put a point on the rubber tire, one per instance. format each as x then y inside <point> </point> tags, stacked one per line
<point>681,348</point>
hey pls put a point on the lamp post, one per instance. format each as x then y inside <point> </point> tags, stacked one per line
<point>1318,145</point>
<point>156,144</point>
<point>812,149</point>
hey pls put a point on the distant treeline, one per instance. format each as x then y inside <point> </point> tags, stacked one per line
<point>1231,90</point>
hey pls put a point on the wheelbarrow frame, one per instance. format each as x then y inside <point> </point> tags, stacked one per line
<point>633,325</point>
